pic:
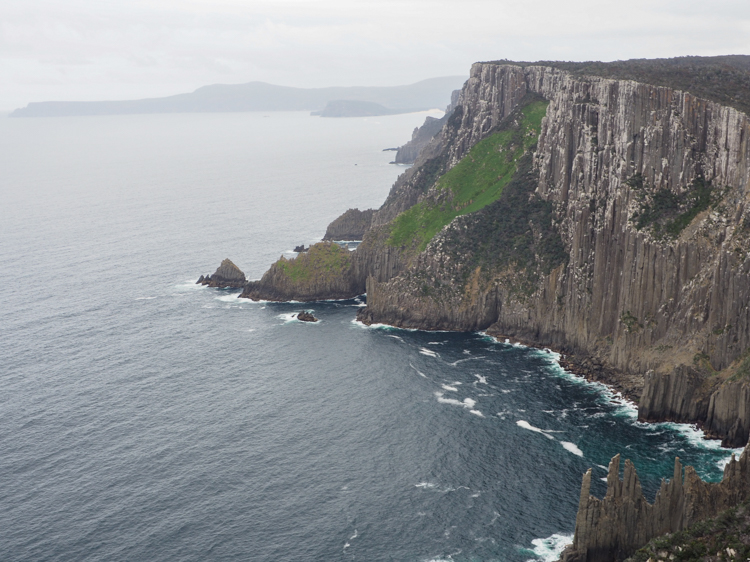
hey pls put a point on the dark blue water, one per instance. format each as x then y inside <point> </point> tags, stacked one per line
<point>143,417</point>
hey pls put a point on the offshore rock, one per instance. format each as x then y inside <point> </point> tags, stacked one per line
<point>306,316</point>
<point>614,527</point>
<point>227,275</point>
<point>324,272</point>
<point>352,225</point>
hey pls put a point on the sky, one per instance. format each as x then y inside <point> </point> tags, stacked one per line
<point>130,49</point>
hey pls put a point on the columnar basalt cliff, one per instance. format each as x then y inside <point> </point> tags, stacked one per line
<point>607,218</point>
<point>614,527</point>
<point>649,188</point>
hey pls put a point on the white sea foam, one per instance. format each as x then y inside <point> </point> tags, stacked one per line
<point>145,298</point>
<point>425,485</point>
<point>453,401</point>
<point>451,388</point>
<point>467,403</point>
<point>290,317</point>
<point>232,297</point>
<point>481,379</point>
<point>550,549</point>
<point>571,447</point>
<point>399,338</point>
<point>427,352</point>
<point>354,536</point>
<point>420,373</point>
<point>526,425</point>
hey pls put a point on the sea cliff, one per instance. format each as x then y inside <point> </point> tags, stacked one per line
<point>599,209</point>
<point>606,218</point>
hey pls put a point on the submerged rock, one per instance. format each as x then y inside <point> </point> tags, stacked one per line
<point>227,275</point>
<point>306,316</point>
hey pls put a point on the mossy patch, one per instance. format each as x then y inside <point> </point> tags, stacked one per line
<point>725,537</point>
<point>514,234</point>
<point>322,261</point>
<point>475,182</point>
<point>665,213</point>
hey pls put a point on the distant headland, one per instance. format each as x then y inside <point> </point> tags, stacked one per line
<point>259,96</point>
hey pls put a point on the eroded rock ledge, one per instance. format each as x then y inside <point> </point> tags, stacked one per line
<point>614,527</point>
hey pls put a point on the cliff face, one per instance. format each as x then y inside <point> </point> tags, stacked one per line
<point>649,187</point>
<point>352,225</point>
<point>614,527</point>
<point>616,227</point>
<point>421,137</point>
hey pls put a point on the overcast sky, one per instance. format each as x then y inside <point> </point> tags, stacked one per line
<point>127,49</point>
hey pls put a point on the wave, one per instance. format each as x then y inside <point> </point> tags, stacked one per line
<point>428,352</point>
<point>526,425</point>
<point>549,549</point>
<point>571,447</point>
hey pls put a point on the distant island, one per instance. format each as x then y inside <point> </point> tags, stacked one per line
<point>259,96</point>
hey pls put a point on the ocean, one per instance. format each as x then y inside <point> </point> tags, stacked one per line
<point>144,417</point>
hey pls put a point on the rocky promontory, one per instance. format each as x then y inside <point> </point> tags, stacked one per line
<point>576,207</point>
<point>323,272</point>
<point>227,275</point>
<point>614,527</point>
<point>352,225</point>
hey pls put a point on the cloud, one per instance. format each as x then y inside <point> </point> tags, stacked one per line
<point>82,49</point>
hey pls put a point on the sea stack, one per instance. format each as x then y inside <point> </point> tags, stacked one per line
<point>227,275</point>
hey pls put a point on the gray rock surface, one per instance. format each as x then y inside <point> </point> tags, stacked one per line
<point>227,275</point>
<point>614,527</point>
<point>632,300</point>
<point>352,225</point>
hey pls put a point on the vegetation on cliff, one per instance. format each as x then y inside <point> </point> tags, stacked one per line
<point>666,213</point>
<point>724,538</point>
<point>321,262</point>
<point>475,182</point>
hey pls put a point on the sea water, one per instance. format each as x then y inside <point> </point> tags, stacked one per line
<point>143,417</point>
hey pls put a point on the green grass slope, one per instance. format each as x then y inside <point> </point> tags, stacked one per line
<point>475,182</point>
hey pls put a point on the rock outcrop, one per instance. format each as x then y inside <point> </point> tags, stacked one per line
<point>324,272</point>
<point>352,225</point>
<point>306,316</point>
<point>614,527</point>
<point>407,153</point>
<point>227,275</point>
